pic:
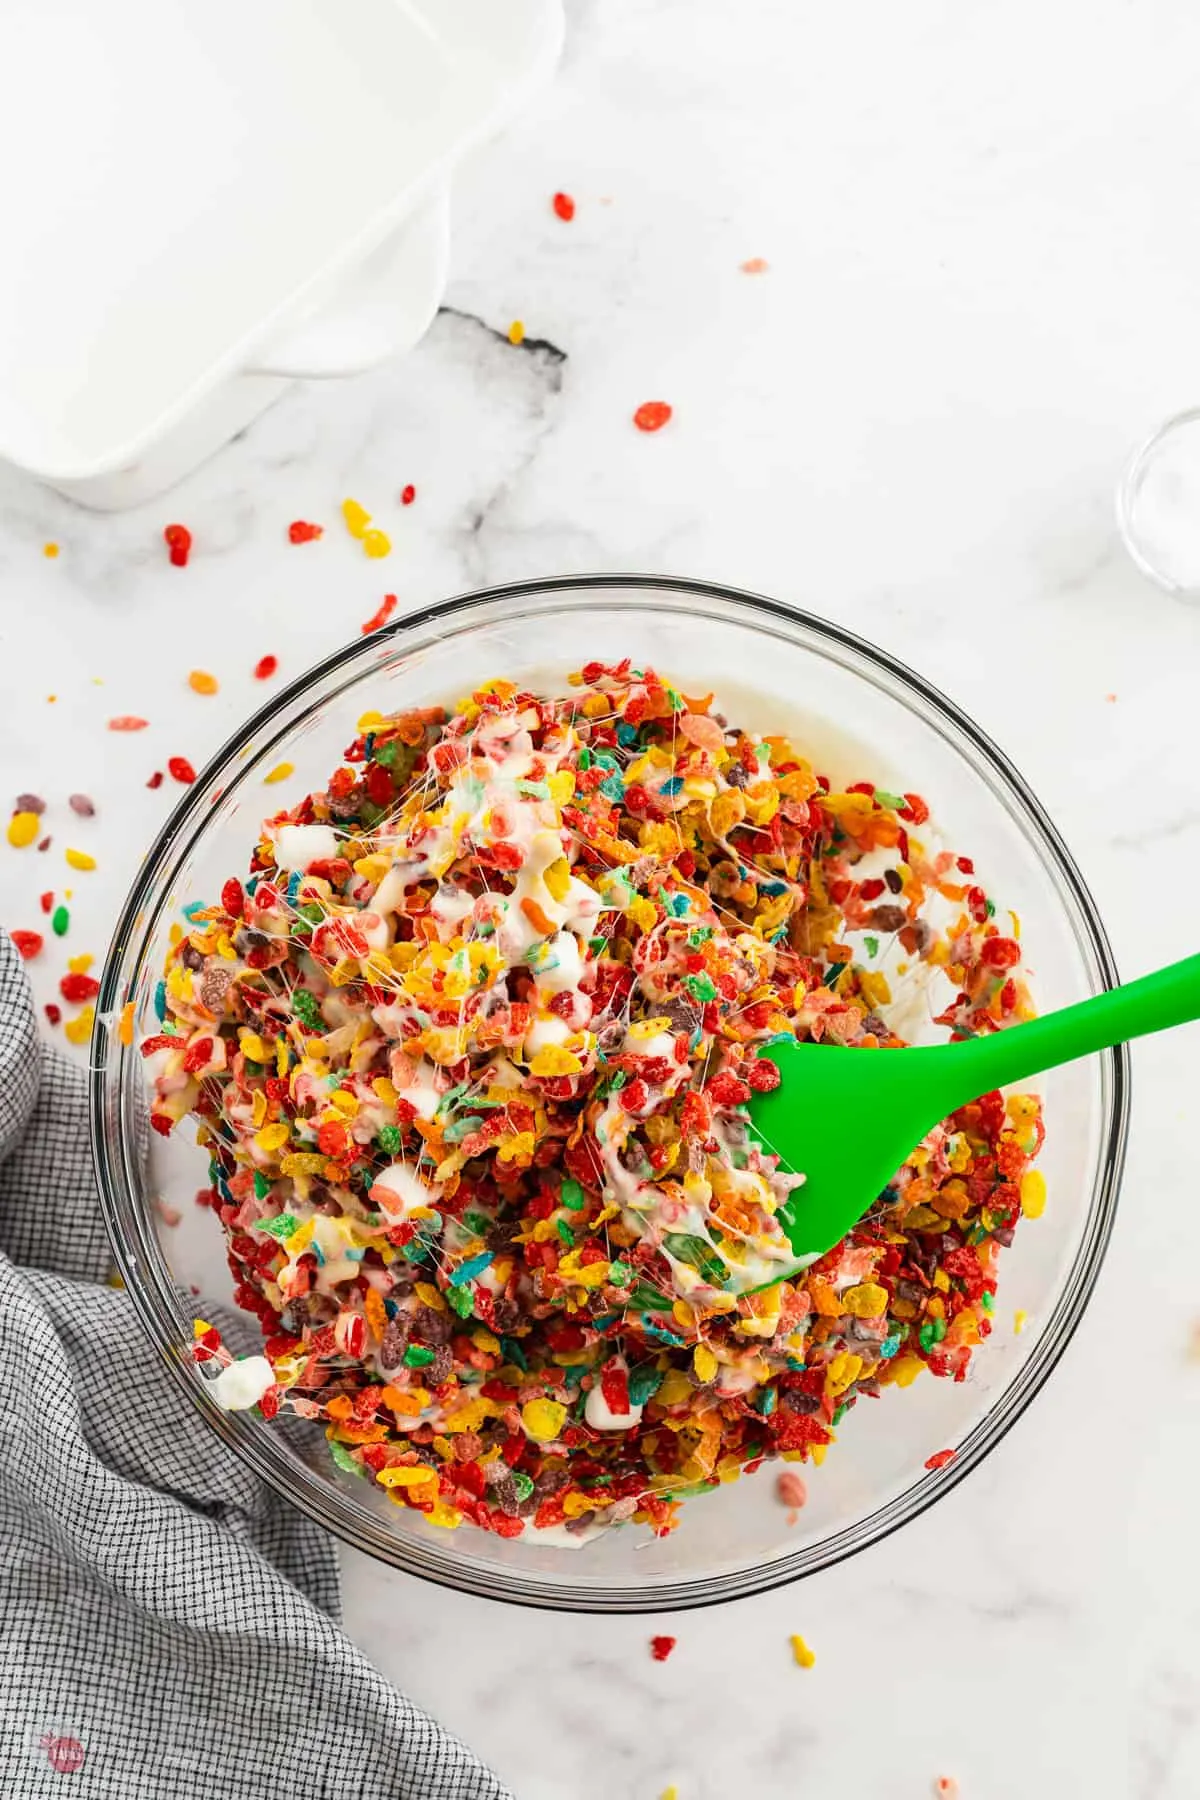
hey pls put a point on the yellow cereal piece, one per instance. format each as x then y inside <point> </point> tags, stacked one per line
<point>555,1060</point>
<point>79,965</point>
<point>514,1149</point>
<point>1020,1320</point>
<point>643,912</point>
<point>800,1650</point>
<point>271,1138</point>
<point>558,879</point>
<point>280,772</point>
<point>1033,1194</point>
<point>561,786</point>
<point>50,550</point>
<point>842,1372</point>
<point>406,1475</point>
<point>591,1275</point>
<point>468,1417</point>
<point>79,859</point>
<point>674,1388</point>
<point>199,1327</point>
<point>867,1301</point>
<point>874,987</point>
<point>483,1339</point>
<point>669,1793</point>
<point>23,827</point>
<point>704,1362</point>
<point>302,1162</point>
<point>357,518</point>
<point>344,1103</point>
<point>382,1088</point>
<point>645,1029</point>
<point>516,332</point>
<point>252,1046</point>
<point>903,1371</point>
<point>376,543</point>
<point>442,1514</point>
<point>79,1029</point>
<point>428,1295</point>
<point>543,1419</point>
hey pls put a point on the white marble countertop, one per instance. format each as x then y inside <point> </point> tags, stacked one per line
<point>983,287</point>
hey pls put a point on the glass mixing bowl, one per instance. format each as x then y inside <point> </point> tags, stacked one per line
<point>860,715</point>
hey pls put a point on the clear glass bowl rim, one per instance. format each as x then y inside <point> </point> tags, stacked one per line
<point>131,1228</point>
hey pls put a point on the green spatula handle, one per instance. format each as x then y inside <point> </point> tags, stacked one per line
<point>1169,997</point>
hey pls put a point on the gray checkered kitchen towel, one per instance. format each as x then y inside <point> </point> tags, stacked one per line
<point>167,1624</point>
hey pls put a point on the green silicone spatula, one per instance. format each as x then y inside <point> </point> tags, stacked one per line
<point>846,1119</point>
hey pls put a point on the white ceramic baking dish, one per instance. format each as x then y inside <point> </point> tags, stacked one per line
<point>218,199</point>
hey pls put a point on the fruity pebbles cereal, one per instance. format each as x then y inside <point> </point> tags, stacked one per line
<point>470,1051</point>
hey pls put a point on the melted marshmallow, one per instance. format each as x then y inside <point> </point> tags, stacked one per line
<point>299,846</point>
<point>242,1384</point>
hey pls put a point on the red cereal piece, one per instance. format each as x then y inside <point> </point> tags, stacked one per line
<point>940,1458</point>
<point>301,532</point>
<point>53,1013</point>
<point>127,722</point>
<point>1000,953</point>
<point>564,207</point>
<point>77,989</point>
<point>181,769</point>
<point>387,607</point>
<point>29,943</point>
<point>661,1647</point>
<point>408,495</point>
<point>790,1489</point>
<point>46,901</point>
<point>265,667</point>
<point>179,544</point>
<point>156,780</point>
<point>232,897</point>
<point>652,415</point>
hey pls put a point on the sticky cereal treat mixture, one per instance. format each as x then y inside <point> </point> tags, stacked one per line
<point>470,1050</point>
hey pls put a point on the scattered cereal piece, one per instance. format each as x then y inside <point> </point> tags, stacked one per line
<point>22,829</point>
<point>81,804</point>
<point>376,543</point>
<point>79,1029</point>
<point>45,843</point>
<point>1110,698</point>
<point>170,1215</point>
<point>669,1793</point>
<point>156,780</point>
<point>60,920</point>
<point>50,550</point>
<point>800,1650</point>
<point>755,265</point>
<point>945,1788</point>
<point>1033,1193</point>
<point>76,989</point>
<point>516,332</point>
<point>564,207</point>
<point>46,901</point>
<point>179,544</point>
<point>280,772</point>
<point>79,859</point>
<point>53,1013</point>
<point>29,943</point>
<point>652,415</point>
<point>790,1490</point>
<point>661,1647</point>
<point>127,722</point>
<point>201,682</point>
<point>301,532</point>
<point>30,803</point>
<point>940,1459</point>
<point>125,1026</point>
<point>408,495</point>
<point>386,608</point>
<point>357,518</point>
<point>1020,1320</point>
<point>181,769</point>
<point>79,965</point>
<point>265,667</point>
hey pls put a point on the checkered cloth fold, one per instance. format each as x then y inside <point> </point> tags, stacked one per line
<point>167,1623</point>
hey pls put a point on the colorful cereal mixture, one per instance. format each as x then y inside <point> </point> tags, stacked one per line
<point>470,1050</point>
